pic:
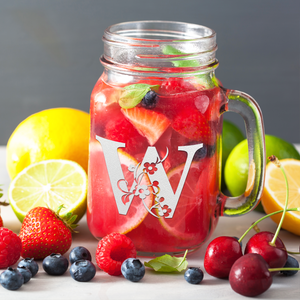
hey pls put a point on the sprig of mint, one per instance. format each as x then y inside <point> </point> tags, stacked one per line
<point>168,263</point>
<point>133,94</point>
<point>169,50</point>
<point>201,78</point>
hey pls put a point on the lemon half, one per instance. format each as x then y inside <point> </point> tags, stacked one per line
<point>274,193</point>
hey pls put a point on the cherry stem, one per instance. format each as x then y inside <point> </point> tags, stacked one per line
<point>283,269</point>
<point>291,252</point>
<point>266,216</point>
<point>274,159</point>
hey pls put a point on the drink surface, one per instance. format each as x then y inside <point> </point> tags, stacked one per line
<point>154,165</point>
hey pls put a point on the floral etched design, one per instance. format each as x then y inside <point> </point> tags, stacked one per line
<point>142,190</point>
<point>164,211</point>
<point>150,168</point>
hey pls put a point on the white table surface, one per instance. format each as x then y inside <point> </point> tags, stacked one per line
<point>153,285</point>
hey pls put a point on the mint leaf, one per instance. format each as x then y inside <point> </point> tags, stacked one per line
<point>133,94</point>
<point>168,263</point>
<point>202,79</point>
<point>169,50</point>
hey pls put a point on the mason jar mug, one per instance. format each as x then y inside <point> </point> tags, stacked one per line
<point>155,139</point>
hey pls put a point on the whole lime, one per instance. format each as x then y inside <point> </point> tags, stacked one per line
<point>236,167</point>
<point>231,136</point>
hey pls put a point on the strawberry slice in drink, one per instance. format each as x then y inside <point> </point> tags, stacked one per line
<point>147,122</point>
<point>119,129</point>
<point>175,86</point>
<point>195,126</point>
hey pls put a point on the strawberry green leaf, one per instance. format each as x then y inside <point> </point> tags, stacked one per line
<point>167,263</point>
<point>133,94</point>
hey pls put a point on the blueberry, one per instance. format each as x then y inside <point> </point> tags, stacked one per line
<point>79,253</point>
<point>201,153</point>
<point>26,273</point>
<point>193,275</point>
<point>11,279</point>
<point>132,269</point>
<point>83,270</point>
<point>31,264</point>
<point>55,264</point>
<point>149,100</point>
<point>205,151</point>
<point>290,263</point>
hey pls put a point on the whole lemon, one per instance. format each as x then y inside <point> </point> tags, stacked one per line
<point>56,133</point>
<point>236,167</point>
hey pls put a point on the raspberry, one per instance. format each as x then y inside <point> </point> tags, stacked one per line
<point>112,250</point>
<point>10,248</point>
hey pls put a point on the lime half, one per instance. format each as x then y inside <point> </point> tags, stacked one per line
<point>50,183</point>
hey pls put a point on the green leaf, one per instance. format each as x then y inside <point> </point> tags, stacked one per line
<point>72,219</point>
<point>133,94</point>
<point>168,263</point>
<point>202,79</point>
<point>169,50</point>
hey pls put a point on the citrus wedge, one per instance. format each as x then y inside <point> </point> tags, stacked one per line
<point>274,193</point>
<point>50,183</point>
<point>102,215</point>
<point>191,218</point>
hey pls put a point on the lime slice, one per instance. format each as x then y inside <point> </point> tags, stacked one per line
<point>50,183</point>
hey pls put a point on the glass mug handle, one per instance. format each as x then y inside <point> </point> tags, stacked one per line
<point>247,107</point>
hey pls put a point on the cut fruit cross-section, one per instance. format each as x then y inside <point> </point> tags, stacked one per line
<point>103,215</point>
<point>50,183</point>
<point>190,219</point>
<point>147,122</point>
<point>274,193</point>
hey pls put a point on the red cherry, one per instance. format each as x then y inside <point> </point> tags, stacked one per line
<point>220,255</point>
<point>249,275</point>
<point>275,256</point>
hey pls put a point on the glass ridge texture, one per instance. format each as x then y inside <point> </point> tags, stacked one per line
<point>155,138</point>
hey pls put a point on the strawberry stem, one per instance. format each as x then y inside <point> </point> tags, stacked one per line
<point>275,160</point>
<point>68,219</point>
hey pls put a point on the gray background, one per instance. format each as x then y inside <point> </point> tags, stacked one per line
<point>49,52</point>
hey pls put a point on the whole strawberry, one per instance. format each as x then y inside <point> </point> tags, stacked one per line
<point>10,248</point>
<point>43,232</point>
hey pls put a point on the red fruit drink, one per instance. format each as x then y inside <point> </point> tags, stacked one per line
<point>155,146</point>
<point>182,124</point>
